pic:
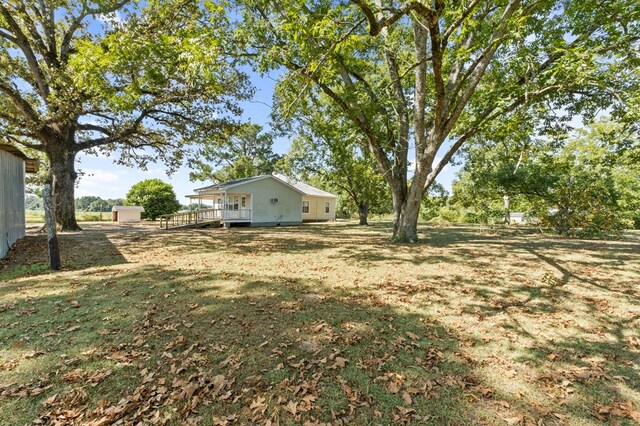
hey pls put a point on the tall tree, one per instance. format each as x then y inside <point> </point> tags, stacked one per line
<point>245,151</point>
<point>419,77</point>
<point>154,79</point>
<point>340,168</point>
<point>326,148</point>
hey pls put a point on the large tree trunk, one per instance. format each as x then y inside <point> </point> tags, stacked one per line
<point>405,218</point>
<point>405,226</point>
<point>62,168</point>
<point>363,213</point>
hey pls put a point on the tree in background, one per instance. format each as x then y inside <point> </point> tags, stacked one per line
<point>325,149</point>
<point>587,180</point>
<point>434,201</point>
<point>156,196</point>
<point>417,77</point>
<point>145,86</point>
<point>33,202</point>
<point>342,169</point>
<point>493,169</point>
<point>96,204</point>
<point>246,151</point>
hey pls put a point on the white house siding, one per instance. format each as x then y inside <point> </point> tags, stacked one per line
<point>288,209</point>
<point>127,216</point>
<point>317,209</point>
<point>12,220</point>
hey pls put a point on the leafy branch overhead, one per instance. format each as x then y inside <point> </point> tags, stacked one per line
<point>240,152</point>
<point>419,80</point>
<point>146,85</point>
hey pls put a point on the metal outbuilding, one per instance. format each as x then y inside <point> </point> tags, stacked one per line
<point>13,165</point>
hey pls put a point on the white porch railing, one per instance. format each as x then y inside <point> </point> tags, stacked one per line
<point>240,214</point>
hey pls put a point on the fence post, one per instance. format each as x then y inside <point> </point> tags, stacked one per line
<point>50,219</point>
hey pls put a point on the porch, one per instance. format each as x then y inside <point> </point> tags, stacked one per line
<point>227,207</point>
<point>205,217</point>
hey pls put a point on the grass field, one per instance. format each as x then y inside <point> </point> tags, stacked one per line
<point>321,324</point>
<point>37,216</point>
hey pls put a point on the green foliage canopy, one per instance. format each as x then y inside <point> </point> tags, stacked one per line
<point>416,77</point>
<point>156,196</point>
<point>144,87</point>
<point>245,151</point>
<point>585,182</point>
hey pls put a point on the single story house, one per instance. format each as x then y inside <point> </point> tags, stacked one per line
<point>266,200</point>
<point>13,165</point>
<point>317,205</point>
<point>126,214</point>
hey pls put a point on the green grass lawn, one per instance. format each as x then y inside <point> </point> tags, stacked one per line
<point>321,324</point>
<point>37,216</point>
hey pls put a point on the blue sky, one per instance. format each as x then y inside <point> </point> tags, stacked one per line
<point>105,179</point>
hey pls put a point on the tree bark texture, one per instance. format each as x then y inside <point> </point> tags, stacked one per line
<point>50,221</point>
<point>63,171</point>
<point>363,214</point>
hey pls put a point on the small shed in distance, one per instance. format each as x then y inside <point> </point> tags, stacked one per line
<point>126,214</point>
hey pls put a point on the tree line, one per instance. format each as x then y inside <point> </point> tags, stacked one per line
<point>87,203</point>
<point>585,183</point>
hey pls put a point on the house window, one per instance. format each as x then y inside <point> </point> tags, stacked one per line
<point>305,207</point>
<point>326,207</point>
<point>244,202</point>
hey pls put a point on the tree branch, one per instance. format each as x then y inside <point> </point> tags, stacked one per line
<point>376,24</point>
<point>20,103</point>
<point>456,24</point>
<point>482,65</point>
<point>22,42</point>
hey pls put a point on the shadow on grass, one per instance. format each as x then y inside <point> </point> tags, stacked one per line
<point>30,256</point>
<point>275,338</point>
<point>281,338</point>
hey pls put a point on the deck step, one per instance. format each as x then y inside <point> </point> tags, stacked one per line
<point>214,223</point>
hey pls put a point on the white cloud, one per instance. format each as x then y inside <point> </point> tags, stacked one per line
<point>96,179</point>
<point>158,171</point>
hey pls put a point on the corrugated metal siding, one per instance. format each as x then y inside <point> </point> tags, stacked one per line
<point>12,220</point>
<point>288,209</point>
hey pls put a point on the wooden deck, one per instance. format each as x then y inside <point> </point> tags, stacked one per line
<point>194,219</point>
<point>204,217</point>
